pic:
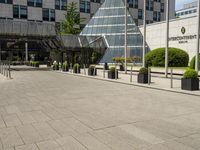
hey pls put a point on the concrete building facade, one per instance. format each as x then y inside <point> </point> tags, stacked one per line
<point>182,34</point>
<point>52,11</point>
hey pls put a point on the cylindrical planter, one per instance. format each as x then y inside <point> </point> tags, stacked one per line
<point>143,78</point>
<point>92,72</point>
<point>75,70</point>
<point>190,84</point>
<point>111,75</point>
<point>65,69</point>
<point>121,67</point>
<point>106,66</point>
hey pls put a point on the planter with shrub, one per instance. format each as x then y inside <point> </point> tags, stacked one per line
<point>143,76</point>
<point>55,66</point>
<point>36,64</point>
<point>190,80</point>
<point>76,68</point>
<point>92,71</point>
<point>112,73</point>
<point>65,67</point>
<point>177,58</point>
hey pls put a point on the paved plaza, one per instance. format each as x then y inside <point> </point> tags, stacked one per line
<point>45,110</point>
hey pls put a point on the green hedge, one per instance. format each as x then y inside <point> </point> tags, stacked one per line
<point>177,58</point>
<point>192,62</point>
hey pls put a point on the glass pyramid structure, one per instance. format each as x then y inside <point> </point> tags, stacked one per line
<point>109,22</point>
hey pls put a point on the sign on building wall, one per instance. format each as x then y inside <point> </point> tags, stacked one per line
<point>184,38</point>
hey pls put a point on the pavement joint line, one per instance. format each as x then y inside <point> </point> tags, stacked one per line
<point>133,84</point>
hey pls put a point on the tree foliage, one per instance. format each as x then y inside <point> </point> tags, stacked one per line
<point>71,24</point>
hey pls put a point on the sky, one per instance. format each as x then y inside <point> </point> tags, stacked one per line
<point>179,3</point>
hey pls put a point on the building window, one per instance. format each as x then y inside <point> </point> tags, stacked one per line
<point>133,3</point>
<point>6,1</point>
<point>35,3</point>
<point>149,5</point>
<point>19,12</point>
<point>61,4</point>
<point>140,14</point>
<point>85,6</point>
<point>96,1</point>
<point>48,14</point>
<point>162,7</point>
<point>156,16</point>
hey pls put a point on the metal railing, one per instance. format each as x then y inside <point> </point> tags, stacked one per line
<point>5,69</point>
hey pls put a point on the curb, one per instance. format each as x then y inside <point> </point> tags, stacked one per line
<point>133,84</point>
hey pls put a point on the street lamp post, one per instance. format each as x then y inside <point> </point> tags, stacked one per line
<point>198,32</point>
<point>144,34</point>
<point>125,37</point>
<point>167,37</point>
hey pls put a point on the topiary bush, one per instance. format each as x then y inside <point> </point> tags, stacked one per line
<point>192,62</point>
<point>65,66</point>
<point>176,58</point>
<point>76,68</point>
<point>112,69</point>
<point>143,70</point>
<point>190,73</point>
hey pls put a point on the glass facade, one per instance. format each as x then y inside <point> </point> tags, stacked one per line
<point>109,22</point>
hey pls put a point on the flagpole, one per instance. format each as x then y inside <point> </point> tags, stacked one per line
<point>198,32</point>
<point>167,36</point>
<point>144,34</point>
<point>125,37</point>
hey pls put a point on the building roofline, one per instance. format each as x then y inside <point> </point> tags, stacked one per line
<point>171,20</point>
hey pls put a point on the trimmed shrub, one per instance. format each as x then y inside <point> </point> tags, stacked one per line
<point>76,68</point>
<point>190,74</point>
<point>112,69</point>
<point>192,62</point>
<point>143,71</point>
<point>176,58</point>
<point>65,66</point>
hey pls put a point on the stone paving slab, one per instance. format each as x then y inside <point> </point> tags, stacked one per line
<point>45,110</point>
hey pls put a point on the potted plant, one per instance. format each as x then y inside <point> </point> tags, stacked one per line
<point>190,80</point>
<point>112,72</point>
<point>92,71</point>
<point>106,66</point>
<point>65,67</point>
<point>143,75</point>
<point>36,64</point>
<point>119,60</point>
<point>55,66</point>
<point>76,68</point>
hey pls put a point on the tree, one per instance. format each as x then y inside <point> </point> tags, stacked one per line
<point>71,24</point>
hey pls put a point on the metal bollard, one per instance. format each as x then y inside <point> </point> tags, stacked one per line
<point>4,71</point>
<point>0,66</point>
<point>171,77</point>
<point>115,72</point>
<point>7,70</point>
<point>104,72</point>
<point>149,76</point>
<point>131,76</point>
<point>71,67</point>
<point>84,69</point>
<point>94,72</point>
